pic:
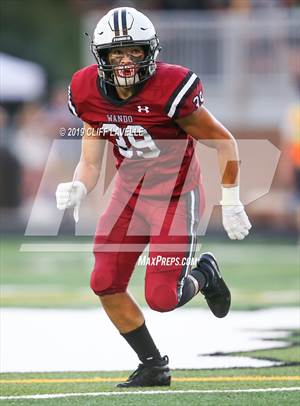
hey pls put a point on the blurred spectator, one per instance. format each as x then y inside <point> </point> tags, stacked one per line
<point>247,5</point>
<point>9,169</point>
<point>57,109</point>
<point>291,131</point>
<point>31,144</point>
<point>194,4</point>
<point>37,127</point>
<point>243,5</point>
<point>9,179</point>
<point>3,125</point>
<point>291,158</point>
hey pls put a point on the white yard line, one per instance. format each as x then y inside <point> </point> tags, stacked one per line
<point>150,392</point>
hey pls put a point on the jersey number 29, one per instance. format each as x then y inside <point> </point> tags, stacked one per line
<point>140,141</point>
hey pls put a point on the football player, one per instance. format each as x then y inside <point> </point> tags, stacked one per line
<point>152,113</point>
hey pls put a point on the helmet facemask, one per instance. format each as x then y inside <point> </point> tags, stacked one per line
<point>137,72</point>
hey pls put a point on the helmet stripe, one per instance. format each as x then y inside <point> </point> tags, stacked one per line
<point>124,22</point>
<point>120,21</point>
<point>116,23</point>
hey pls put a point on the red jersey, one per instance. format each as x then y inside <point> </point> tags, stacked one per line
<point>153,154</point>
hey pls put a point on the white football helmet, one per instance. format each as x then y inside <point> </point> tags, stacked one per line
<point>125,26</point>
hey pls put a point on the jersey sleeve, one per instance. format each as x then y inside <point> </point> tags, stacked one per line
<point>186,98</point>
<point>71,103</point>
<point>82,93</point>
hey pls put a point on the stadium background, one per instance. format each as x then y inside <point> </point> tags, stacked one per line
<point>247,54</point>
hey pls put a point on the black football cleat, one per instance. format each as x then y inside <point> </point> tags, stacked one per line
<point>146,375</point>
<point>215,291</point>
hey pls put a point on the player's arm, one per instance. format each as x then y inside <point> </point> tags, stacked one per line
<point>203,126</point>
<point>86,174</point>
<point>89,165</point>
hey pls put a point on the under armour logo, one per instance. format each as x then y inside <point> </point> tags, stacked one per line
<point>142,109</point>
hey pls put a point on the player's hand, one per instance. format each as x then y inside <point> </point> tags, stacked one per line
<point>235,222</point>
<point>70,194</point>
<point>234,217</point>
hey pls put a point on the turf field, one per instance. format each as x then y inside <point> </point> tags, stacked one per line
<point>260,274</point>
<point>195,387</point>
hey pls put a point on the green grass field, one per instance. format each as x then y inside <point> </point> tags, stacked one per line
<point>260,274</point>
<point>267,385</point>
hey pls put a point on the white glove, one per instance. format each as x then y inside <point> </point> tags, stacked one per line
<point>70,194</point>
<point>235,219</point>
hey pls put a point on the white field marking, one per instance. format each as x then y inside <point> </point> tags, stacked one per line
<point>224,252</point>
<point>72,339</point>
<point>7,289</point>
<point>229,254</point>
<point>150,392</point>
<point>32,289</point>
<point>268,297</point>
<point>86,247</point>
<point>57,247</point>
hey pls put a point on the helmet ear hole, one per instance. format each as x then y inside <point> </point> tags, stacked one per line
<point>146,49</point>
<point>104,55</point>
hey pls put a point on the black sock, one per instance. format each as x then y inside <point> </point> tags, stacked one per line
<point>194,282</point>
<point>200,277</point>
<point>142,343</point>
